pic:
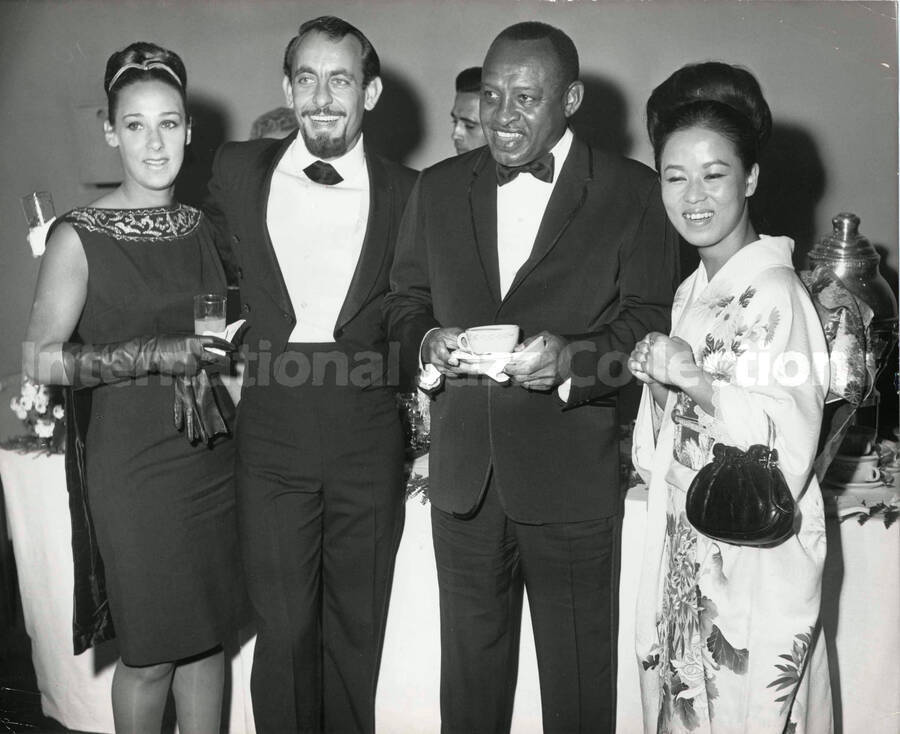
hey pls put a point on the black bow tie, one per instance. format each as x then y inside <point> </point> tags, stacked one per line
<point>541,169</point>
<point>323,173</point>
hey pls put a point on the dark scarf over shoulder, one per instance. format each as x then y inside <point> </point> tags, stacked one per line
<point>91,623</point>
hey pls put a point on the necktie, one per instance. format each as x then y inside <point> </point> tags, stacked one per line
<point>541,169</point>
<point>323,173</point>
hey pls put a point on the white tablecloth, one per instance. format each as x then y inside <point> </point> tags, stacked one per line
<point>862,617</point>
<point>75,690</point>
<point>861,613</point>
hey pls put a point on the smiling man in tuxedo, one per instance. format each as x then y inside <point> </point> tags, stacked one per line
<point>312,220</point>
<point>572,244</point>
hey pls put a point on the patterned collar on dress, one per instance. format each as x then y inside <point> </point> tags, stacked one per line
<point>154,223</point>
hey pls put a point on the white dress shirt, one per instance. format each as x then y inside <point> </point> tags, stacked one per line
<point>521,204</point>
<point>317,232</point>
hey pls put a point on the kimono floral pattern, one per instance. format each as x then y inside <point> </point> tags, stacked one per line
<point>789,672</point>
<point>694,647</point>
<point>732,334</point>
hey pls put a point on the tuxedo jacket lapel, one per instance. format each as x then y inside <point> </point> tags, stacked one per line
<point>269,261</point>
<point>483,209</point>
<point>567,198</point>
<point>375,248</point>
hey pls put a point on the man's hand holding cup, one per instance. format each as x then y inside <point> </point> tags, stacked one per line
<point>541,363</point>
<point>480,346</point>
<point>437,350</point>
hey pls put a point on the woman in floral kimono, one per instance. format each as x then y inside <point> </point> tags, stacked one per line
<point>727,636</point>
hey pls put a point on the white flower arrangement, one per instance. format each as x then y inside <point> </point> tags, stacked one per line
<point>41,409</point>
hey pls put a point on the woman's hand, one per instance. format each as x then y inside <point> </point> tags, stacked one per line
<point>661,358</point>
<point>650,359</point>
<point>667,362</point>
<point>637,361</point>
<point>665,359</point>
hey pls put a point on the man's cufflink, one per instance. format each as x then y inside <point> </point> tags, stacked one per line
<point>564,390</point>
<point>429,379</point>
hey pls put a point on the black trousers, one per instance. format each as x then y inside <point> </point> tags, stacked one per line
<point>320,509</point>
<point>568,569</point>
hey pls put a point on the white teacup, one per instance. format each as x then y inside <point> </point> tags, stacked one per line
<point>854,469</point>
<point>489,339</point>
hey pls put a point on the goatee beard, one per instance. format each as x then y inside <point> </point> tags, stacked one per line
<point>324,147</point>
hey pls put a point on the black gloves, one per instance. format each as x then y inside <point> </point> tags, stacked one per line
<point>202,406</point>
<point>88,365</point>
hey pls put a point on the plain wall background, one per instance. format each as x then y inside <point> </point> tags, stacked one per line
<point>829,71</point>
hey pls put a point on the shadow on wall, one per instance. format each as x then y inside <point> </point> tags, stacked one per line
<point>602,122</point>
<point>602,119</point>
<point>791,185</point>
<point>394,127</point>
<point>208,126</point>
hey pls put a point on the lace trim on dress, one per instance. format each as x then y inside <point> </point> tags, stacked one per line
<point>156,223</point>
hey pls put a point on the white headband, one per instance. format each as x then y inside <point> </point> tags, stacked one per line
<point>145,66</point>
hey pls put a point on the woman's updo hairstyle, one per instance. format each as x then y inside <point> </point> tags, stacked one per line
<point>719,97</point>
<point>141,62</point>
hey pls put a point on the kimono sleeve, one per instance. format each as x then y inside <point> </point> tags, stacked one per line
<point>779,371</point>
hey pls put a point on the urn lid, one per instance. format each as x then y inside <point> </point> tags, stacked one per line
<point>845,242</point>
<point>854,260</point>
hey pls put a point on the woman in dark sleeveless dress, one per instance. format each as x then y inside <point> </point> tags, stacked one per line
<point>122,273</point>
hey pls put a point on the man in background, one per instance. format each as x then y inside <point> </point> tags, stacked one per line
<point>277,123</point>
<point>467,133</point>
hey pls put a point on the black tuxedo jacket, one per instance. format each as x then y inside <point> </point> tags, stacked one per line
<point>602,273</point>
<point>237,202</point>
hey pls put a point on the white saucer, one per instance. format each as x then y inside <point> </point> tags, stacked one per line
<point>854,458</point>
<point>854,486</point>
<point>488,357</point>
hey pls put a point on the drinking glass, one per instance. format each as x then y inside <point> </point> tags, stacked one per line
<point>209,314</point>
<point>39,213</point>
<point>38,208</point>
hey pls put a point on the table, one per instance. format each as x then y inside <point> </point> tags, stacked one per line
<point>861,612</point>
<point>75,690</point>
<point>861,617</point>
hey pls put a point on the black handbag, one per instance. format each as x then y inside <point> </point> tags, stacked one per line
<point>741,497</point>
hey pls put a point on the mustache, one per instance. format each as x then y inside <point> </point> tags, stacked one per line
<point>324,111</point>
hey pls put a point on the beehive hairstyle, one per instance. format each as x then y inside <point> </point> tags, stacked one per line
<point>720,97</point>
